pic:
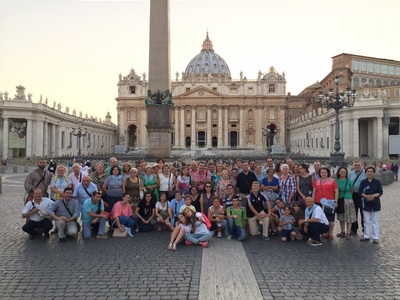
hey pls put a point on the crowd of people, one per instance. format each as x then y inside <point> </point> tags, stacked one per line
<point>202,199</point>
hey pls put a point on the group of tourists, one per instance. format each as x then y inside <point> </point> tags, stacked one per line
<point>203,199</point>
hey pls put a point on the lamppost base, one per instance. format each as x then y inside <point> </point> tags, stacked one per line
<point>337,159</point>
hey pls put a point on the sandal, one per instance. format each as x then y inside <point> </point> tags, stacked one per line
<point>348,237</point>
<point>174,247</point>
<point>330,237</point>
<point>170,246</point>
<point>341,235</point>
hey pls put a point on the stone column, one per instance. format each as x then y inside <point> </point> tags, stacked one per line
<point>209,128</point>
<point>220,141</point>
<point>241,127</point>
<point>5,138</point>
<point>143,130</point>
<point>45,139</point>
<point>176,128</point>
<point>183,127</point>
<point>53,141</point>
<point>38,141</point>
<point>29,137</point>
<point>346,142</point>
<point>356,139</point>
<point>258,129</point>
<point>193,128</point>
<point>226,128</point>
<point>379,139</point>
<point>58,141</point>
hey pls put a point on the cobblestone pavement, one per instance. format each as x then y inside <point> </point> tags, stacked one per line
<point>142,268</point>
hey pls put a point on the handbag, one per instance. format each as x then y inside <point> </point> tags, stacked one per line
<point>171,194</point>
<point>118,234</point>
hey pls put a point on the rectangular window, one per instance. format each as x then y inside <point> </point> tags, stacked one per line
<point>132,89</point>
<point>214,89</point>
<point>384,69</point>
<point>63,140</point>
<point>377,68</point>
<point>271,88</point>
<point>355,65</point>
<point>214,126</point>
<point>370,67</point>
<point>233,90</point>
<point>391,70</point>
<point>250,90</point>
<point>363,66</point>
<point>397,71</point>
<point>233,125</point>
<point>187,125</point>
<point>187,89</point>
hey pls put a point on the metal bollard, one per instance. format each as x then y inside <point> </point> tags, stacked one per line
<point>15,169</point>
<point>2,169</point>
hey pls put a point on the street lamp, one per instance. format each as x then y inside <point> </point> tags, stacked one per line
<point>79,132</point>
<point>337,102</point>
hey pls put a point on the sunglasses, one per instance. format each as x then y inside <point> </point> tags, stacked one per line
<point>99,192</point>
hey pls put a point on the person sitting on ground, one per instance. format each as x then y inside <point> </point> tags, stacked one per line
<point>236,216</point>
<point>93,216</point>
<point>286,222</point>
<point>121,215</point>
<point>216,215</point>
<point>315,222</point>
<point>33,211</point>
<point>179,232</point>
<point>65,212</point>
<point>200,234</point>
<point>276,212</point>
<point>145,213</point>
<point>163,217</point>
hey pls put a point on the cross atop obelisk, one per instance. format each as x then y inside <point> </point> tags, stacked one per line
<point>159,99</point>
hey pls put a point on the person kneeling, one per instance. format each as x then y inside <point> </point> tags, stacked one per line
<point>315,222</point>
<point>65,212</point>
<point>93,215</point>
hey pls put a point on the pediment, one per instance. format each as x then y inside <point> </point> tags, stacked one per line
<point>200,92</point>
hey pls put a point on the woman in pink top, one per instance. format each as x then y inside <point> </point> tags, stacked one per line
<point>121,215</point>
<point>326,187</point>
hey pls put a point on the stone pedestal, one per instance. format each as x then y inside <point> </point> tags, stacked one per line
<point>159,131</point>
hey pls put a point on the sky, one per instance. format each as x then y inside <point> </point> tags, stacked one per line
<point>73,51</point>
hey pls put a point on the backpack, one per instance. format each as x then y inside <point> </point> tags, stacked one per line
<point>206,221</point>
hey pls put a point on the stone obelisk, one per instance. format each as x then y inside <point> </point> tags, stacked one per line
<point>159,99</point>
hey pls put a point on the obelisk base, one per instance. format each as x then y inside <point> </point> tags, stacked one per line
<point>159,131</point>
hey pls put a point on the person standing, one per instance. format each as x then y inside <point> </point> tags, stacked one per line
<point>356,176</point>
<point>244,181</point>
<point>371,191</point>
<point>38,178</point>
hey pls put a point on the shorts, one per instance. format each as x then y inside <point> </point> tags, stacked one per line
<point>286,232</point>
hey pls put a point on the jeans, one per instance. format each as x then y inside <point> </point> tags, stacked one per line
<point>215,225</point>
<point>196,238</point>
<point>87,228</point>
<point>371,217</point>
<point>66,228</point>
<point>125,221</point>
<point>238,231</point>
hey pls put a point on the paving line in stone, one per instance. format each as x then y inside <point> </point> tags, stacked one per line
<point>226,272</point>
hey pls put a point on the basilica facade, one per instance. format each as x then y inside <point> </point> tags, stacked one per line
<point>211,109</point>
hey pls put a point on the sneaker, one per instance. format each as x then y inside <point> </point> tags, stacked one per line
<point>62,240</point>
<point>204,244</point>
<point>103,236</point>
<point>137,229</point>
<point>129,231</point>
<point>265,238</point>
<point>273,232</point>
<point>364,240</point>
<point>187,243</point>
<point>229,237</point>
<point>219,234</point>
<point>376,241</point>
<point>316,243</point>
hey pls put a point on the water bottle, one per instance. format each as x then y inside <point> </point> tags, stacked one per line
<point>290,226</point>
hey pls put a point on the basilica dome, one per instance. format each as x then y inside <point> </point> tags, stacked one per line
<point>207,64</point>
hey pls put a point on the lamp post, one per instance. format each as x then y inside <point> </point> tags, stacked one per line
<point>337,101</point>
<point>79,132</point>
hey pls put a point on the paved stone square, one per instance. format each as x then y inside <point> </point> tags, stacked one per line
<point>142,268</point>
